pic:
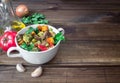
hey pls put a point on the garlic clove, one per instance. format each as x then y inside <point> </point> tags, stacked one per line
<point>37,72</point>
<point>20,68</point>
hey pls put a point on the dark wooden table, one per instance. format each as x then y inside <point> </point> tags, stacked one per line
<point>91,52</point>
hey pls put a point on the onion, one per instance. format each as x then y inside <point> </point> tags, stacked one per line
<point>22,10</point>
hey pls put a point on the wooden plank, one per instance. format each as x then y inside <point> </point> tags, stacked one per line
<point>77,53</point>
<point>87,12</point>
<point>8,74</point>
<point>70,1</point>
<point>67,5</point>
<point>78,12</point>
<point>112,75</point>
<point>54,75</point>
<point>80,17</point>
<point>90,53</point>
<point>83,16</point>
<point>62,75</point>
<point>94,31</point>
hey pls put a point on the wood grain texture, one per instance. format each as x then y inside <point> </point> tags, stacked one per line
<point>81,11</point>
<point>95,40</point>
<point>62,75</point>
<point>84,53</point>
<point>92,31</point>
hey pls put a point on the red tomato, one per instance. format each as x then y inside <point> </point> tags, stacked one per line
<point>42,47</point>
<point>7,40</point>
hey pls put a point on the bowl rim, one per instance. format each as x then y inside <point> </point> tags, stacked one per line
<point>35,51</point>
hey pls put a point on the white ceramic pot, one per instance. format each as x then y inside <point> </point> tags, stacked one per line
<point>35,57</point>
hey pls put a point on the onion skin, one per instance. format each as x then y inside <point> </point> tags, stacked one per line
<point>22,10</point>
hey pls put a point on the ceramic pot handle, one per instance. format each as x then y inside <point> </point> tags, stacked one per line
<point>61,30</point>
<point>9,54</point>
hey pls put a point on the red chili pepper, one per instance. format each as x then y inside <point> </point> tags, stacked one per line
<point>42,47</point>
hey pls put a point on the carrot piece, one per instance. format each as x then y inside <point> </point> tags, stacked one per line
<point>20,42</point>
<point>50,40</point>
<point>39,28</point>
<point>51,44</point>
<point>44,28</point>
<point>33,33</point>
